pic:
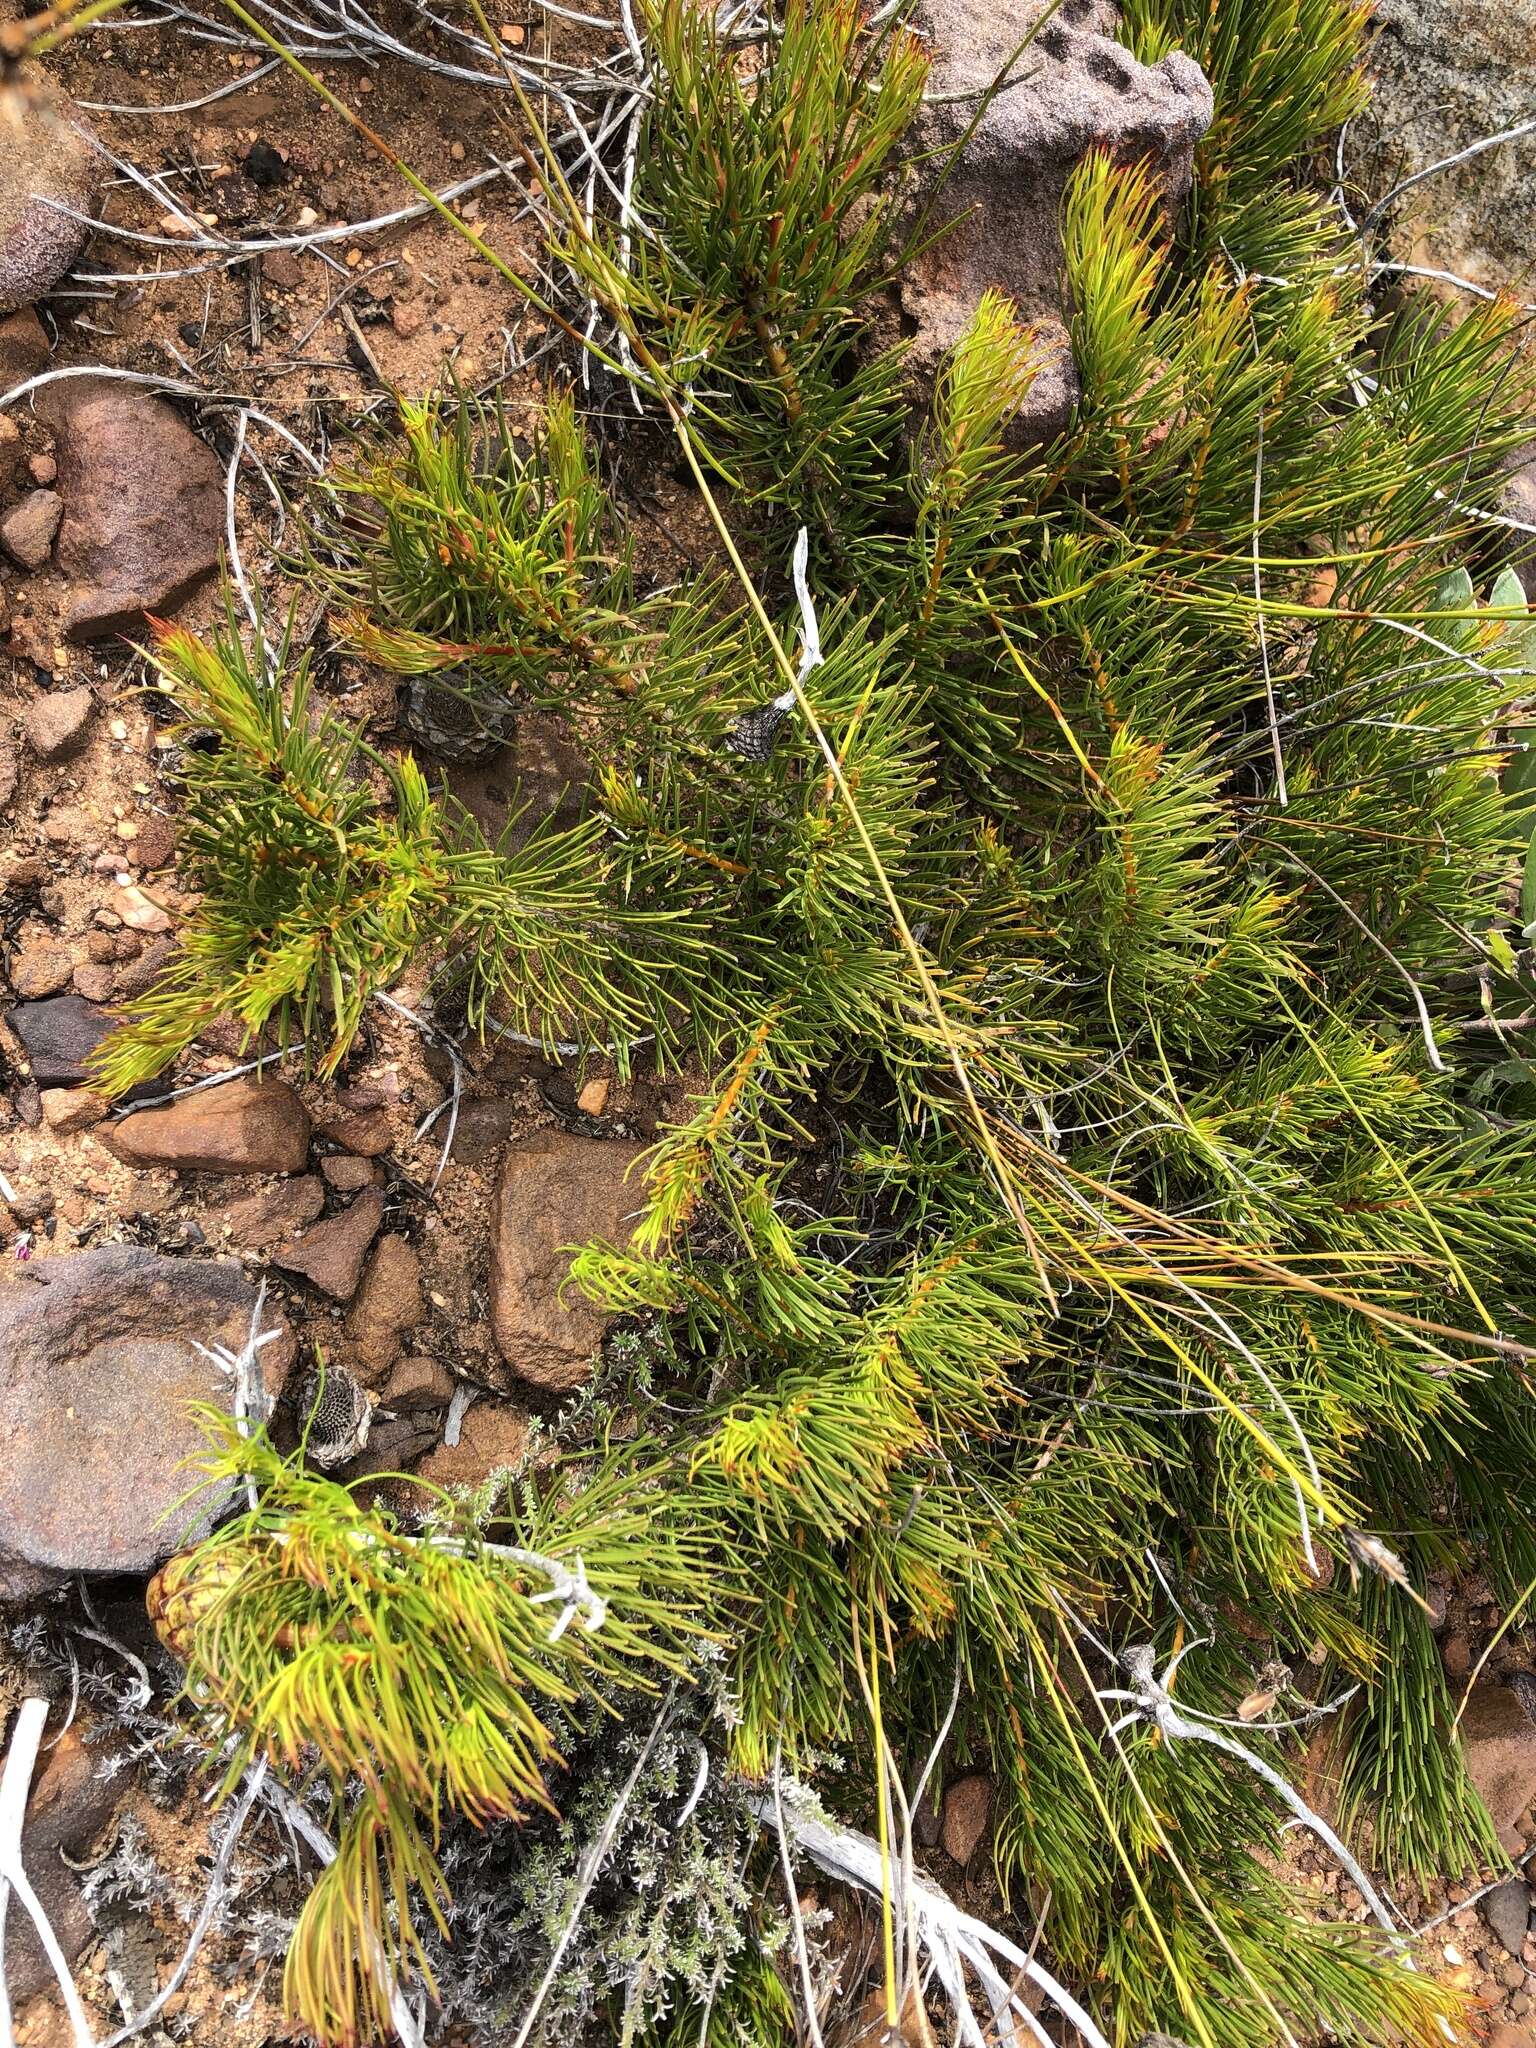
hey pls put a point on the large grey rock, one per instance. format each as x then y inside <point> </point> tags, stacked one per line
<point>143,504</point>
<point>555,1189</point>
<point>45,153</point>
<point>99,1361</point>
<point>1507,1909</point>
<point>1448,73</point>
<point>1079,90</point>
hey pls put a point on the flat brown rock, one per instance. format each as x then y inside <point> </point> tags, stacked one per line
<point>56,723</point>
<point>265,1218</point>
<point>1498,1740</point>
<point>967,1805</point>
<point>143,499</point>
<point>330,1255</point>
<point>246,1126</point>
<point>23,348</point>
<point>363,1131</point>
<point>555,1190</point>
<point>28,528</point>
<point>418,1383</point>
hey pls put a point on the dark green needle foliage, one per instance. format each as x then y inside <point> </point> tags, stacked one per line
<point>1107,1219</point>
<point>768,207</point>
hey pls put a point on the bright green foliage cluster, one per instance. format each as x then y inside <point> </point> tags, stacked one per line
<point>416,1678</point>
<point>325,868</point>
<point>1095,1227</point>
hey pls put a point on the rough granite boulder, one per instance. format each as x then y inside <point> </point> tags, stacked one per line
<point>555,1189</point>
<point>1077,90</point>
<point>1448,73</point>
<point>143,499</point>
<point>99,1361</point>
<point>250,1125</point>
<point>46,152</point>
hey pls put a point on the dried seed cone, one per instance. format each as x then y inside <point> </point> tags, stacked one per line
<point>185,1591</point>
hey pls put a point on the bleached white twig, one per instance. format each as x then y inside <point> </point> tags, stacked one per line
<point>458,1408</point>
<point>696,1793</point>
<point>232,540</point>
<point>1150,1701</point>
<point>954,1941</point>
<point>267,1059</point>
<point>1385,266</point>
<point>244,1368</point>
<point>810,629</point>
<point>15,1783</point>
<point>219,92</point>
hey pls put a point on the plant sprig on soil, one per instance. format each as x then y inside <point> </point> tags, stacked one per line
<point>1107,1221</point>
